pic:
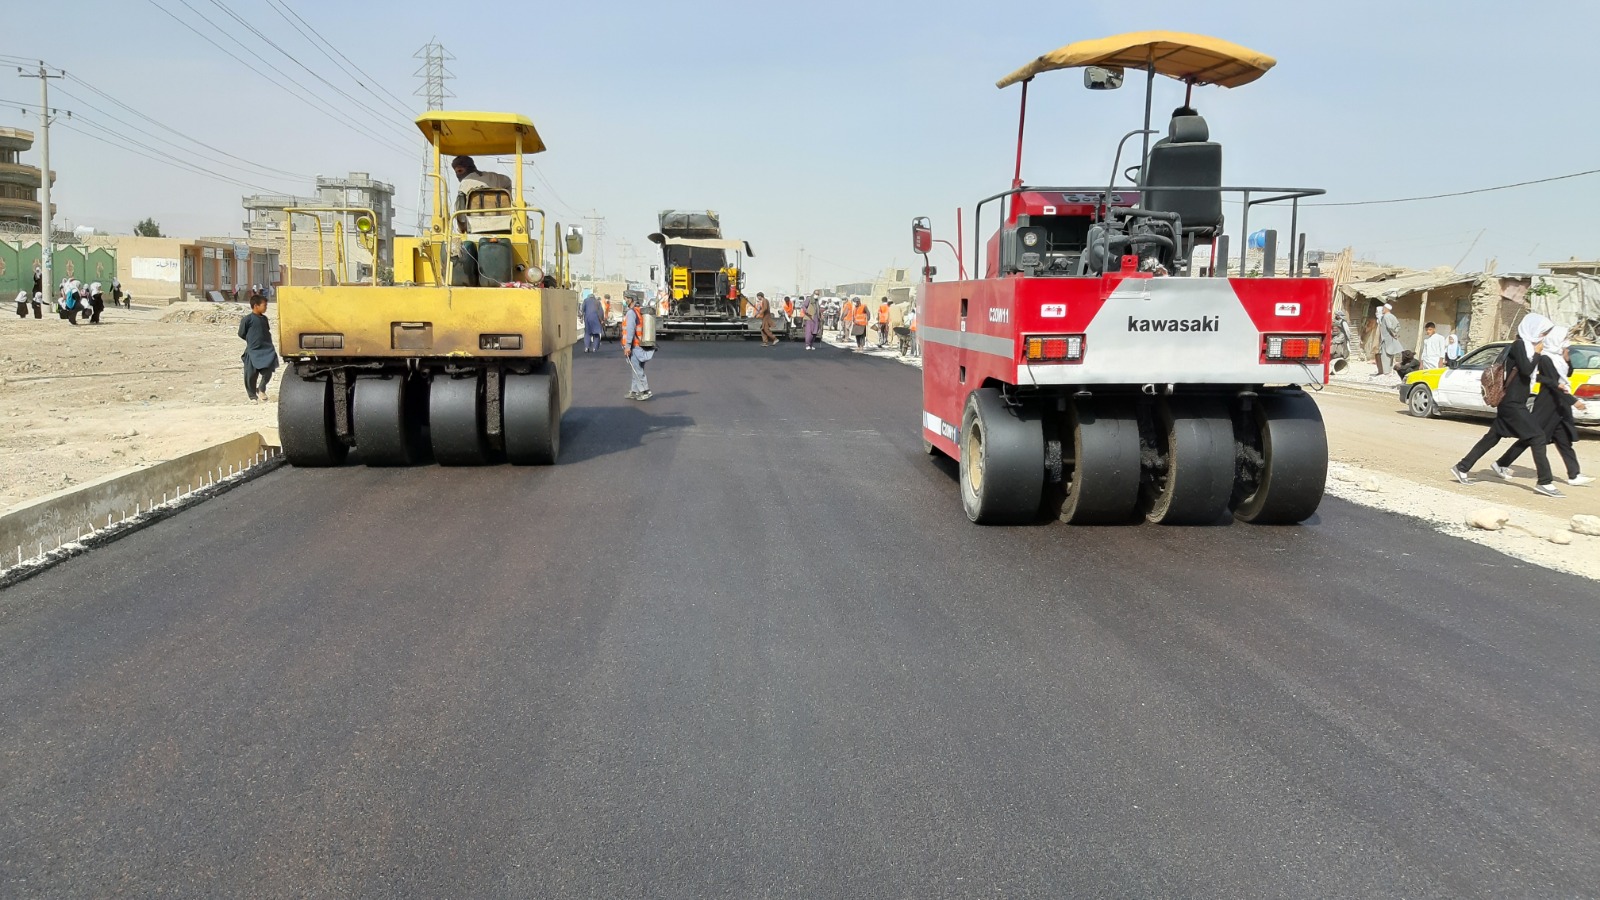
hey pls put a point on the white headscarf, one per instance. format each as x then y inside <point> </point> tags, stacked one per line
<point>1533,329</point>
<point>1452,347</point>
<point>1553,344</point>
<point>22,297</point>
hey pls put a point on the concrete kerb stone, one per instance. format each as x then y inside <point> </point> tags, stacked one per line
<point>41,533</point>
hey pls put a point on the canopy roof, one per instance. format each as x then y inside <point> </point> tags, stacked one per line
<point>707,244</point>
<point>1191,58</point>
<point>464,133</point>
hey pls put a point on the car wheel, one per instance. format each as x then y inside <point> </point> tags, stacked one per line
<point>1420,402</point>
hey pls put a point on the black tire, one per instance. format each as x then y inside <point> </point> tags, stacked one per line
<point>1197,435</point>
<point>1104,485</point>
<point>305,422</point>
<point>1002,460</point>
<point>386,434</point>
<point>455,421</point>
<point>531,416</point>
<point>1294,473</point>
<point>1419,402</point>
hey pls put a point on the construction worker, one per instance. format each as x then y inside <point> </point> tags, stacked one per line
<point>847,319</point>
<point>788,311</point>
<point>637,356</point>
<point>883,322</point>
<point>911,323</point>
<point>764,313</point>
<point>859,328</point>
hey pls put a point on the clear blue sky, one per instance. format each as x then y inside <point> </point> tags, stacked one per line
<point>829,124</point>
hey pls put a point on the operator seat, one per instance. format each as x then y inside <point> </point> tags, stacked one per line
<point>1186,157</point>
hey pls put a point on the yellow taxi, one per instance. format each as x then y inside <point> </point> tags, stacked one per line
<point>1458,389</point>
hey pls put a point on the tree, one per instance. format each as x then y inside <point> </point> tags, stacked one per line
<point>148,228</point>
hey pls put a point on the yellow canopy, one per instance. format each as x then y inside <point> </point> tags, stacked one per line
<point>1192,58</point>
<point>479,133</point>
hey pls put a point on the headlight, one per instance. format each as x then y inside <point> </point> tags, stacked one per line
<point>1030,239</point>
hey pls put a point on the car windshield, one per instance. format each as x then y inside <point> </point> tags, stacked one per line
<point>1482,357</point>
<point>1585,357</point>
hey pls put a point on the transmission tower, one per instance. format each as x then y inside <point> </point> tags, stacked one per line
<point>433,90</point>
<point>597,230</point>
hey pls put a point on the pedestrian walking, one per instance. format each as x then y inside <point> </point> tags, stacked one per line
<point>38,280</point>
<point>260,358</point>
<point>813,321</point>
<point>1389,345</point>
<point>593,322</point>
<point>97,303</point>
<point>1433,348</point>
<point>764,313</point>
<point>22,304</point>
<point>1512,418</point>
<point>1552,410</point>
<point>116,291</point>
<point>637,355</point>
<point>859,327</point>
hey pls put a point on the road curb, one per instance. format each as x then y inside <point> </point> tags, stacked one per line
<point>194,477</point>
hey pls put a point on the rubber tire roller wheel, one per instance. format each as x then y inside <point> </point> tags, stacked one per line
<point>1200,463</point>
<point>531,415</point>
<point>384,432</point>
<point>455,421</point>
<point>1104,487</point>
<point>1002,461</point>
<point>1294,444</point>
<point>305,422</point>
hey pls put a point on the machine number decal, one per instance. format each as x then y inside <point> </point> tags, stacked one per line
<point>1053,311</point>
<point>938,426</point>
<point>1288,309</point>
<point>999,314</point>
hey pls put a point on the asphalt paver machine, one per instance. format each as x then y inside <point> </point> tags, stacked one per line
<point>467,356</point>
<point>1111,364</point>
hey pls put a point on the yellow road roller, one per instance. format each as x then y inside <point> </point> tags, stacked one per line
<point>464,354</point>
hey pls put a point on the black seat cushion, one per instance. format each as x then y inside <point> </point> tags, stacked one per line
<point>1185,158</point>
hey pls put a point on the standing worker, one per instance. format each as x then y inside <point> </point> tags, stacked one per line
<point>883,322</point>
<point>637,356</point>
<point>1389,345</point>
<point>593,324</point>
<point>813,321</point>
<point>764,313</point>
<point>788,314</point>
<point>1511,416</point>
<point>859,327</point>
<point>260,359</point>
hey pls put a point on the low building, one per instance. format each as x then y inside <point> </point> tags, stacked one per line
<point>165,269</point>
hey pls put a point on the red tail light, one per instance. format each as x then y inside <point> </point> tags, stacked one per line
<point>1587,391</point>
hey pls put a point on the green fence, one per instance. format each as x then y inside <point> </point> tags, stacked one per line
<point>87,265</point>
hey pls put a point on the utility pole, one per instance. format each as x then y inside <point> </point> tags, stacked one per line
<point>46,221</point>
<point>799,269</point>
<point>433,75</point>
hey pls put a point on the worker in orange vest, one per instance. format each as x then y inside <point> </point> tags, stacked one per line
<point>911,323</point>
<point>860,328</point>
<point>883,322</point>
<point>847,318</point>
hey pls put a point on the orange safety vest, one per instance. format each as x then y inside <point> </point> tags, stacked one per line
<point>883,314</point>
<point>861,315</point>
<point>638,324</point>
<point>608,308</point>
<point>788,307</point>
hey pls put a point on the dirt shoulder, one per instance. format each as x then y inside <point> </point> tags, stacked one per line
<point>80,402</point>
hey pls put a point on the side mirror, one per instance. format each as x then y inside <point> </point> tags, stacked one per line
<point>921,235</point>
<point>1102,78</point>
<point>574,239</point>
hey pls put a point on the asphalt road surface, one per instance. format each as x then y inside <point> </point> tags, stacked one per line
<point>742,643</point>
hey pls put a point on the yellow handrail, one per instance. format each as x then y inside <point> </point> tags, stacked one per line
<point>312,211</point>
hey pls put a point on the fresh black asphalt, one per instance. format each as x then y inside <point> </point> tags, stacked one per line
<point>742,643</point>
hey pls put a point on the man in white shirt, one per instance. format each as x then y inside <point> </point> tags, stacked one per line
<point>1433,348</point>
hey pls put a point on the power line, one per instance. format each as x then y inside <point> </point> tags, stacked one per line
<point>1498,187</point>
<point>312,101</point>
<point>378,116</point>
<point>312,34</point>
<point>178,148</point>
